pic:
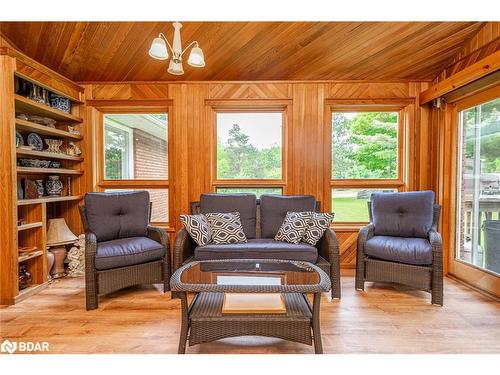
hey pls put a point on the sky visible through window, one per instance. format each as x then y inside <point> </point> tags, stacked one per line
<point>260,127</point>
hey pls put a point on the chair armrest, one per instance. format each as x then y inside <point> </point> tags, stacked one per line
<point>435,240</point>
<point>184,247</point>
<point>328,246</point>
<point>90,249</point>
<point>364,235</point>
<point>159,235</point>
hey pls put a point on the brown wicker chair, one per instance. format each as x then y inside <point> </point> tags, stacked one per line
<point>328,249</point>
<point>122,217</point>
<point>427,277</point>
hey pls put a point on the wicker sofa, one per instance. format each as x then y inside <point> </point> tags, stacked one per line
<point>401,244</point>
<point>121,248</point>
<point>261,219</point>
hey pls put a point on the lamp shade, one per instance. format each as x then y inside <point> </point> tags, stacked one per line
<point>196,58</point>
<point>158,49</point>
<point>59,233</point>
<point>175,68</point>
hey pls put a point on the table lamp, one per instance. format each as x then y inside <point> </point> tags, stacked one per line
<point>59,235</point>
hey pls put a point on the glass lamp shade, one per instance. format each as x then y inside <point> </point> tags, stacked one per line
<point>158,49</point>
<point>196,58</point>
<point>175,68</point>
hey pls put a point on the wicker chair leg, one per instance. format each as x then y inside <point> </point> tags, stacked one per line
<point>91,297</point>
<point>437,288</point>
<point>360,273</point>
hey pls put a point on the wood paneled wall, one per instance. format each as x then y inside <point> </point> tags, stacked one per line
<point>308,139</point>
<point>443,126</point>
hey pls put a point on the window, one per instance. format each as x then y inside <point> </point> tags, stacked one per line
<point>366,158</point>
<point>257,191</point>
<point>478,237</point>
<point>135,146</point>
<point>365,145</point>
<point>135,156</point>
<point>249,149</point>
<point>351,205</point>
<point>249,146</point>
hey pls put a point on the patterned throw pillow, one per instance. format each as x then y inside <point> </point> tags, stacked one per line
<point>226,228</point>
<point>293,227</point>
<point>197,227</point>
<point>317,226</point>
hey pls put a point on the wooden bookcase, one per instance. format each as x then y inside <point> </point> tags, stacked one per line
<point>36,212</point>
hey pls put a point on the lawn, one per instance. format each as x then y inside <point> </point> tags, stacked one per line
<point>350,209</point>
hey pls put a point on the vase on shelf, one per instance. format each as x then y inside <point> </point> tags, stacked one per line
<point>54,145</point>
<point>53,186</point>
<point>24,277</point>
<point>39,188</point>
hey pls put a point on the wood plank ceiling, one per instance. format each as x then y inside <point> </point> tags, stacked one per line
<point>118,51</point>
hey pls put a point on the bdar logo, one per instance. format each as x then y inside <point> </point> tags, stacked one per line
<point>8,347</point>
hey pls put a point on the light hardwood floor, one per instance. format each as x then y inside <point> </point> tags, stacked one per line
<point>383,319</point>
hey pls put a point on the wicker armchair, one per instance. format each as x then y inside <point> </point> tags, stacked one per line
<point>121,248</point>
<point>327,247</point>
<point>386,252</point>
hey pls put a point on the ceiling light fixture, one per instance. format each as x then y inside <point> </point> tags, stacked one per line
<point>159,51</point>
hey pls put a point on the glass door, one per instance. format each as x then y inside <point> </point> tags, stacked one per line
<point>478,221</point>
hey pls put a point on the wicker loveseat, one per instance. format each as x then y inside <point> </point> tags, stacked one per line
<point>401,244</point>
<point>261,219</point>
<point>121,248</point>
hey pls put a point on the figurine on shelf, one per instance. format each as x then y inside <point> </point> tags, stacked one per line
<point>73,149</point>
<point>73,130</point>
<point>54,145</point>
<point>24,277</point>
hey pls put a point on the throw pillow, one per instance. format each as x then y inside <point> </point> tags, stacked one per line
<point>197,227</point>
<point>226,227</point>
<point>293,227</point>
<point>317,225</point>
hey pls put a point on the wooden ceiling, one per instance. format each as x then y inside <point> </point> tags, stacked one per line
<point>118,51</point>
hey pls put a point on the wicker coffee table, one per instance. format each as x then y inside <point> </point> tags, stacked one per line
<point>203,319</point>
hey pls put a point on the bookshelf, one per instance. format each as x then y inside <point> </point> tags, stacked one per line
<point>27,226</point>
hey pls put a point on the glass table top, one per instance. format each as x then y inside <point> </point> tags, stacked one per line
<point>250,276</point>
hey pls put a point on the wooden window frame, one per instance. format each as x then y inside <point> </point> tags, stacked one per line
<point>248,106</point>
<point>132,107</point>
<point>403,107</point>
<point>478,277</point>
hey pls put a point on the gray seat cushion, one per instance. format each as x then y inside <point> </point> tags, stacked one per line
<point>245,204</point>
<point>117,215</point>
<point>273,209</point>
<point>416,251</point>
<point>127,252</point>
<point>403,214</point>
<point>259,248</point>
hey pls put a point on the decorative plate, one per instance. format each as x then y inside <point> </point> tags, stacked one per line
<point>19,139</point>
<point>35,141</point>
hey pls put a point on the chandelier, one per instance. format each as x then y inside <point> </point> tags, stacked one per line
<point>159,51</point>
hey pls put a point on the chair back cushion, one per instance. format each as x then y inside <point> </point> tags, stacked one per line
<point>245,204</point>
<point>117,215</point>
<point>273,209</point>
<point>403,214</point>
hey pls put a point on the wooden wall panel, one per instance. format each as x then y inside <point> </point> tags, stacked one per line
<point>249,91</point>
<point>135,91</point>
<point>374,90</point>
<point>308,148</point>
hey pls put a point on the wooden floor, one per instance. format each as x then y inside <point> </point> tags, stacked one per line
<point>383,319</point>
